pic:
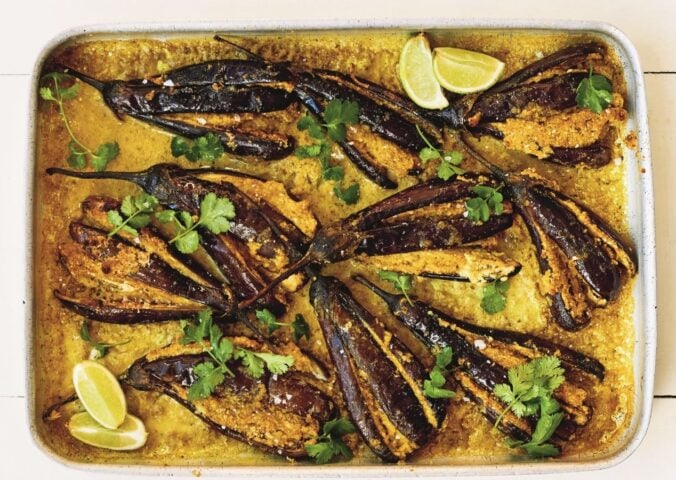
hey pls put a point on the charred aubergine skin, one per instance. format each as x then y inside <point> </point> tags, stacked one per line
<point>95,258</point>
<point>481,368</point>
<point>277,413</point>
<point>380,379</point>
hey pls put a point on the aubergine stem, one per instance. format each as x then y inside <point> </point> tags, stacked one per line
<point>248,53</point>
<point>97,84</point>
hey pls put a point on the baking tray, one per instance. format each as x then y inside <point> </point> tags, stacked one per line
<point>640,220</point>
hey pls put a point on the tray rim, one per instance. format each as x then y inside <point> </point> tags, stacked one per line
<point>645,286</point>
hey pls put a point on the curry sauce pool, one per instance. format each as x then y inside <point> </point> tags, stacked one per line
<point>176,433</point>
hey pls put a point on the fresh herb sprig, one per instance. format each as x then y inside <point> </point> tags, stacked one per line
<point>207,148</point>
<point>337,115</point>
<point>401,282</point>
<point>488,201</point>
<point>594,92</point>
<point>99,349</point>
<point>433,387</point>
<point>215,215</point>
<point>450,160</point>
<point>329,443</point>
<point>79,153</point>
<point>269,320</point>
<point>530,392</point>
<point>135,213</point>
<point>494,296</point>
<point>299,327</point>
<point>211,374</point>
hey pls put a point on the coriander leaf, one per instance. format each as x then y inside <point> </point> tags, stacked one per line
<point>488,201</point>
<point>335,173</point>
<point>300,328</point>
<point>76,158</point>
<point>309,151</point>
<point>208,378</point>
<point>206,148</point>
<point>116,220</point>
<point>541,451</point>
<point>349,195</point>
<point>448,170</point>
<point>276,364</point>
<point>322,452</point>
<point>338,427</point>
<point>166,216</point>
<point>222,351</point>
<point>493,297</point>
<point>137,209</point>
<point>545,427</point>
<point>401,282</point>
<point>46,94</point>
<point>188,243</point>
<point>253,364</point>
<point>104,154</point>
<point>433,387</point>
<point>432,391</point>
<point>329,443</point>
<point>216,213</point>
<point>444,357</point>
<point>594,93</point>
<point>267,318</point>
<point>196,333</point>
<point>429,153</point>
<point>179,146</point>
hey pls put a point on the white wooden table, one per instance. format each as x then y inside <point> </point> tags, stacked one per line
<point>26,25</point>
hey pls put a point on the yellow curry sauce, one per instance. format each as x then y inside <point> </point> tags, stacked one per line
<point>176,437</point>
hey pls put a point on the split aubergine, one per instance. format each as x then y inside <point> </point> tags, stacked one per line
<point>278,413</point>
<point>380,378</point>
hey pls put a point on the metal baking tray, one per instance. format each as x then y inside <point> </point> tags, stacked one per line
<point>640,219</point>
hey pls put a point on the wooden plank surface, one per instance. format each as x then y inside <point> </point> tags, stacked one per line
<point>30,24</point>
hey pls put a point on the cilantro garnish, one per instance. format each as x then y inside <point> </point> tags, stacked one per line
<point>450,159</point>
<point>349,195</point>
<point>329,443</point>
<point>210,374</point>
<point>530,392</point>
<point>336,116</point>
<point>300,328</point>
<point>267,318</point>
<point>488,201</point>
<point>594,92</point>
<point>215,215</point>
<point>207,148</point>
<point>494,298</point>
<point>99,349</point>
<point>401,282</point>
<point>136,209</point>
<point>78,151</point>
<point>433,387</point>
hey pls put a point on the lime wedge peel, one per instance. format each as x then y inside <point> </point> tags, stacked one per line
<point>100,393</point>
<point>416,73</point>
<point>130,435</point>
<point>465,71</point>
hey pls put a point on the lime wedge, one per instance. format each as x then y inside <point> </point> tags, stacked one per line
<point>464,71</point>
<point>417,74</point>
<point>130,435</point>
<point>100,393</point>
